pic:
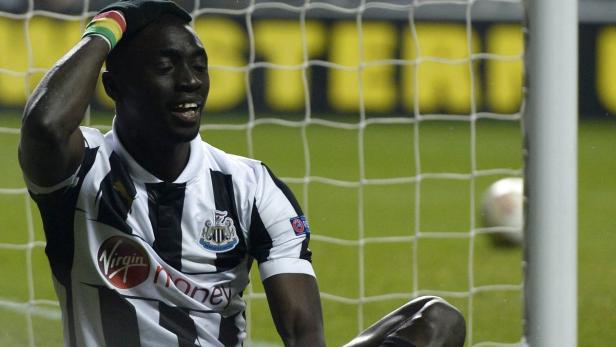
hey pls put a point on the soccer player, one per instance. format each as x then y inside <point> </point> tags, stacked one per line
<point>151,231</point>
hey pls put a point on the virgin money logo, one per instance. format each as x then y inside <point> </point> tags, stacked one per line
<point>123,262</point>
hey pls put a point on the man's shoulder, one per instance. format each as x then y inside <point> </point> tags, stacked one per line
<point>230,164</point>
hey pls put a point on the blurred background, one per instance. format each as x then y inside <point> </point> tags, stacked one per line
<point>388,120</point>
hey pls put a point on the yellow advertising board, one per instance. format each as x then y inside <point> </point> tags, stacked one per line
<point>381,67</point>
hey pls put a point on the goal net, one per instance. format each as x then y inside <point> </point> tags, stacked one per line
<point>388,120</point>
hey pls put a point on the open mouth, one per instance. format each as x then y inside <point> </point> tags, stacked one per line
<point>187,112</point>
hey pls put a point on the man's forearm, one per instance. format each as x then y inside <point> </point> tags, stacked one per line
<point>296,309</point>
<point>306,339</point>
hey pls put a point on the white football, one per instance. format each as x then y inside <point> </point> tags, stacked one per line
<point>503,206</point>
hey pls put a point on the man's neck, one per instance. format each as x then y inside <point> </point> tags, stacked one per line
<point>161,158</point>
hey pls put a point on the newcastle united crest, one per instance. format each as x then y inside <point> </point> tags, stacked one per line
<point>220,235</point>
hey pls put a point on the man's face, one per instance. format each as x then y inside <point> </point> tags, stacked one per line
<point>163,84</point>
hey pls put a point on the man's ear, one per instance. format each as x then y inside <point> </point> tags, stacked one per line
<point>110,85</point>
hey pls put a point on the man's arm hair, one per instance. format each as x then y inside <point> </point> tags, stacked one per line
<point>52,146</point>
<point>295,305</point>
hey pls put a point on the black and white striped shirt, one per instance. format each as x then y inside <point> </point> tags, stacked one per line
<point>141,262</point>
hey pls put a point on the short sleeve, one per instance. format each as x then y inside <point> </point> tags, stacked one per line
<point>57,207</point>
<point>68,183</point>
<point>279,232</point>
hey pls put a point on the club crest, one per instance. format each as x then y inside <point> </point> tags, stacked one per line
<point>220,235</point>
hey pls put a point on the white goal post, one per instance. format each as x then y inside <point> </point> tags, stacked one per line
<point>551,173</point>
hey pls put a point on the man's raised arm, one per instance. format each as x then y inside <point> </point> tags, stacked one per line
<point>51,146</point>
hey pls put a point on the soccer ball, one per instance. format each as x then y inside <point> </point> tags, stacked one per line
<point>503,207</point>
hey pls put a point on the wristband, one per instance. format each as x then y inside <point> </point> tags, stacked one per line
<point>109,25</point>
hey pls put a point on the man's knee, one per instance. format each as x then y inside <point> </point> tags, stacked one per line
<point>427,321</point>
<point>446,323</point>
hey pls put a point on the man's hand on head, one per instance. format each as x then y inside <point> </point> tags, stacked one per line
<point>140,13</point>
<point>125,18</point>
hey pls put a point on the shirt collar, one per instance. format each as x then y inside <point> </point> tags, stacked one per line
<point>190,172</point>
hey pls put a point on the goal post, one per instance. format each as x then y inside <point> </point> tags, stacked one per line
<point>551,173</point>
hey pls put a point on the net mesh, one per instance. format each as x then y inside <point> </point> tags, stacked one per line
<point>409,222</point>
